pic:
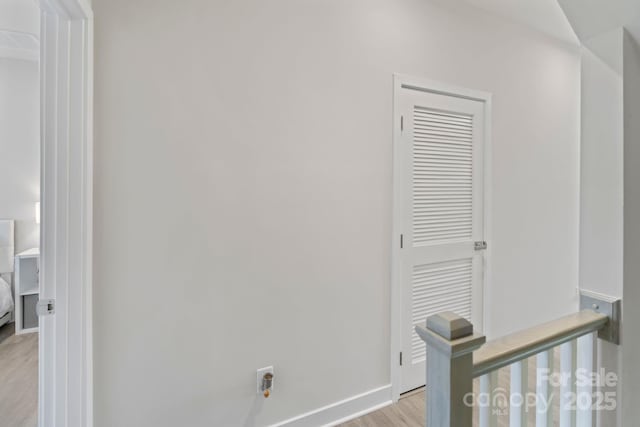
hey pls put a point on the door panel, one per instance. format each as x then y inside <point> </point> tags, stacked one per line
<point>442,216</point>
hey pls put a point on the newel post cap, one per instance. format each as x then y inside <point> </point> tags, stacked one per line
<point>451,334</point>
<point>449,325</point>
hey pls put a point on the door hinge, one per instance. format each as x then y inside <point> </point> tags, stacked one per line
<point>401,241</point>
<point>401,123</point>
<point>45,307</point>
<point>480,246</point>
<point>400,358</point>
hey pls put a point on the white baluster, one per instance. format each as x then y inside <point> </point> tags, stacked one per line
<point>567,383</point>
<point>495,408</point>
<point>584,416</point>
<point>519,387</point>
<point>544,410</point>
<point>484,401</point>
<point>488,412</point>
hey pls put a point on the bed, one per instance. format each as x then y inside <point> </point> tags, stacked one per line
<point>6,268</point>
<point>6,302</point>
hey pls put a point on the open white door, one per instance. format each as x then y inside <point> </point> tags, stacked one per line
<point>440,214</point>
<point>65,341</point>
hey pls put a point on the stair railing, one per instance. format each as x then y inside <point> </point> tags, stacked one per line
<point>456,355</point>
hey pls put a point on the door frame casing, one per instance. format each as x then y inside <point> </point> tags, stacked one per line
<point>401,82</point>
<point>66,337</point>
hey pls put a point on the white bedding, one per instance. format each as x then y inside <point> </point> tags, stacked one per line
<point>6,301</point>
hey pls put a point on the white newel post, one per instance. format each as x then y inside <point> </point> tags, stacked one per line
<point>450,345</point>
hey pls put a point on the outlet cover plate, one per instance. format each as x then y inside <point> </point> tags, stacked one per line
<point>260,373</point>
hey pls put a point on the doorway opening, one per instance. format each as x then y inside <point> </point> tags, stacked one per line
<point>46,240</point>
<point>19,210</point>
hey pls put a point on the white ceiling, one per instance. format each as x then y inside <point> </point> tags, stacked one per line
<point>568,20</point>
<point>591,18</point>
<point>20,15</point>
<point>19,29</point>
<point>19,45</point>
<point>543,15</point>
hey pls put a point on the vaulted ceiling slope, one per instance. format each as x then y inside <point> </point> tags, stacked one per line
<point>591,18</point>
<point>545,16</point>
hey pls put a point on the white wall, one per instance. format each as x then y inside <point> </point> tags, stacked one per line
<point>631,315</point>
<point>601,207</point>
<point>602,168</point>
<point>243,194</point>
<point>20,148</point>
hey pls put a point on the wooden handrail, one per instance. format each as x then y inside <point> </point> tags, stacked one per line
<point>504,351</point>
<point>456,355</point>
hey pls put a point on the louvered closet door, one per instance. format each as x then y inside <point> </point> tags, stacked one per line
<point>442,193</point>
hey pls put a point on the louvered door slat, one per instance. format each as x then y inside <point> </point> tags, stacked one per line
<point>457,163</point>
<point>438,287</point>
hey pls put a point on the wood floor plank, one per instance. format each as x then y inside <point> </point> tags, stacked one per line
<point>18,378</point>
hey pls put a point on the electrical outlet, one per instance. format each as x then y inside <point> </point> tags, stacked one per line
<point>260,374</point>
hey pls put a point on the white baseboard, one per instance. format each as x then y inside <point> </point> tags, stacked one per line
<point>342,411</point>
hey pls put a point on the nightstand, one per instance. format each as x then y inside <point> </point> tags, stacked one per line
<point>27,290</point>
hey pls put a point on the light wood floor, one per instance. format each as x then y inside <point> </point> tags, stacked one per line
<point>410,409</point>
<point>18,378</point>
<point>408,412</point>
